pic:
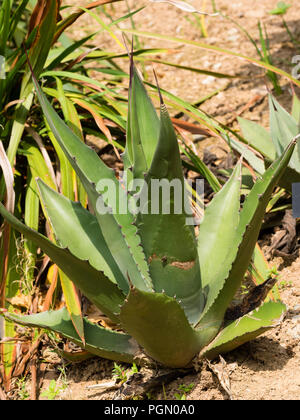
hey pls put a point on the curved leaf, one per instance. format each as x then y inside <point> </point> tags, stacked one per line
<point>245,329</point>
<point>38,167</point>
<point>257,137</point>
<point>94,284</point>
<point>99,341</point>
<point>77,229</point>
<point>283,129</point>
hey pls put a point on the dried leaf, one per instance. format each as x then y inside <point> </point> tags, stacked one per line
<point>22,301</point>
<point>9,179</point>
<point>186,7</point>
<point>220,370</point>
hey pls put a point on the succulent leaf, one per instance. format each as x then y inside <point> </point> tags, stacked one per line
<point>142,127</point>
<point>159,324</point>
<point>283,129</point>
<point>258,137</point>
<point>217,237</point>
<point>256,162</point>
<point>251,217</point>
<point>168,240</point>
<point>246,328</point>
<point>38,167</point>
<point>95,285</point>
<point>123,243</point>
<point>77,229</point>
<point>290,176</point>
<point>99,341</point>
<point>296,109</point>
<point>168,290</point>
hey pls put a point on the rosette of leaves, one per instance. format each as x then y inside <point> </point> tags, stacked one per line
<point>166,289</point>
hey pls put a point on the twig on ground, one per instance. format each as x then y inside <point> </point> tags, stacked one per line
<point>33,371</point>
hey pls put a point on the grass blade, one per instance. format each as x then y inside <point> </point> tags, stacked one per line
<point>213,48</point>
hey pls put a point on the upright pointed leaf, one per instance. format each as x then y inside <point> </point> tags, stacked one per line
<point>167,237</point>
<point>217,233</point>
<point>117,227</point>
<point>142,125</point>
<point>251,218</point>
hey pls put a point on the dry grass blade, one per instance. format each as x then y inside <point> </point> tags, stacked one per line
<point>49,296</point>
<point>73,17</point>
<point>184,6</point>
<point>216,49</point>
<point>12,103</point>
<point>38,14</point>
<point>43,150</point>
<point>9,179</point>
<point>5,244</point>
<point>191,127</point>
<point>99,121</point>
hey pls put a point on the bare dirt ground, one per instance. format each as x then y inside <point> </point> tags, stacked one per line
<point>268,367</point>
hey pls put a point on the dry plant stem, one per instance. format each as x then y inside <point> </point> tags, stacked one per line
<point>49,296</point>
<point>79,12</point>
<point>45,262</point>
<point>21,366</point>
<point>192,128</point>
<point>33,371</point>
<point>256,100</point>
<point>9,179</point>
<point>6,239</point>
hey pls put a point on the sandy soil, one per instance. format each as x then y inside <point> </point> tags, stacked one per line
<point>268,367</point>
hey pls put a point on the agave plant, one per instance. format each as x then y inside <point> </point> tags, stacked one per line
<point>166,289</point>
<point>284,126</point>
